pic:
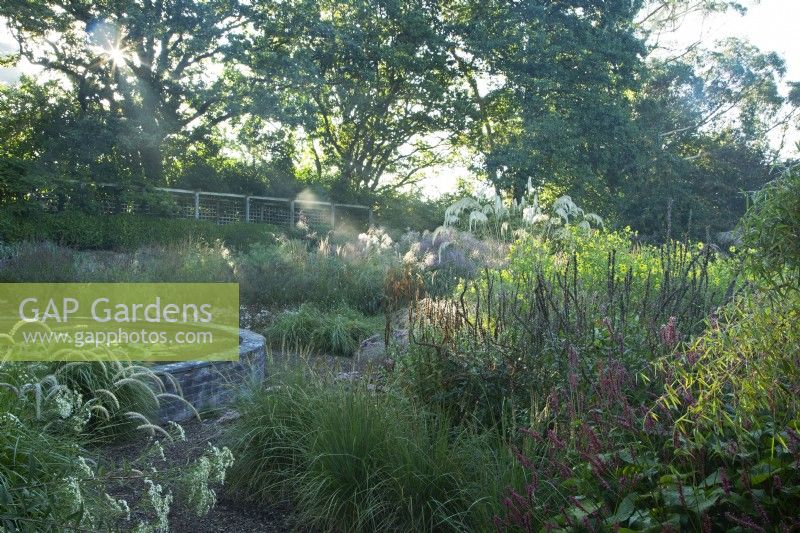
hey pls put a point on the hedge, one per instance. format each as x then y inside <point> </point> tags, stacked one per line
<point>124,232</point>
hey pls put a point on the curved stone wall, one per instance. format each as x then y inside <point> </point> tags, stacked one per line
<point>208,385</point>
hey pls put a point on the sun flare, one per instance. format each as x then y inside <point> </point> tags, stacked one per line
<point>116,55</point>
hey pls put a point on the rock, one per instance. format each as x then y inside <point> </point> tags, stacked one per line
<point>229,416</point>
<point>348,376</point>
<point>250,317</point>
<point>374,348</point>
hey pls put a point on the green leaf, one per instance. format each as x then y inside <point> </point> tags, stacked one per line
<point>624,510</point>
<point>712,479</point>
<point>764,471</point>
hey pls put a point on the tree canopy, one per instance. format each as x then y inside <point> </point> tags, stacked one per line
<point>362,97</point>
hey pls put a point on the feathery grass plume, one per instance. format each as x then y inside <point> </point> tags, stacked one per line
<point>180,399</point>
<point>119,387</point>
<point>153,429</point>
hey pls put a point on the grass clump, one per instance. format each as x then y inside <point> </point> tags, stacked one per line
<point>292,273</point>
<point>353,459</point>
<point>30,262</point>
<point>127,396</point>
<point>337,331</point>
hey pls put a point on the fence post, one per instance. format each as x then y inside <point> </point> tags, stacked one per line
<point>291,214</point>
<point>370,217</point>
<point>197,205</point>
<point>247,208</point>
<point>333,215</point>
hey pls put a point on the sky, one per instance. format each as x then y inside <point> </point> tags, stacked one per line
<point>8,45</point>
<point>771,25</point>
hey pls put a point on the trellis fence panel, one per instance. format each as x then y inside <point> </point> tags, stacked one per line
<point>220,208</point>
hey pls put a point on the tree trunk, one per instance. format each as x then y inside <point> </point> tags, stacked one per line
<point>152,164</point>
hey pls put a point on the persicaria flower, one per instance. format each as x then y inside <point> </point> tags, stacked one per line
<point>649,422</point>
<point>705,523</point>
<point>552,401</point>
<point>669,333</point>
<point>554,440</point>
<point>726,482</point>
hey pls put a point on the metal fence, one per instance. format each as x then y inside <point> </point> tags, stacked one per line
<point>217,207</point>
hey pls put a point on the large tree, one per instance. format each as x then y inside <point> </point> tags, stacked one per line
<point>371,82</point>
<point>163,71</point>
<point>551,90</point>
<point>704,125</point>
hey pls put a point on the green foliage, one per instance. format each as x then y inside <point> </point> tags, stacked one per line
<point>699,155</point>
<point>49,478</point>
<point>336,331</point>
<point>362,461</point>
<point>644,268</point>
<point>555,113</point>
<point>291,274</point>
<point>360,97</point>
<point>366,80</point>
<point>35,472</point>
<point>181,262</point>
<point>85,231</point>
<point>138,113</point>
<point>716,449</point>
<point>399,212</point>
<point>500,344</point>
<point>741,372</point>
<point>645,401</point>
<point>771,228</point>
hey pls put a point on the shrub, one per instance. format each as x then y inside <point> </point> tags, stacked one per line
<point>715,450</point>
<point>336,331</point>
<point>350,458</point>
<point>125,232</point>
<point>20,222</point>
<point>771,227</point>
